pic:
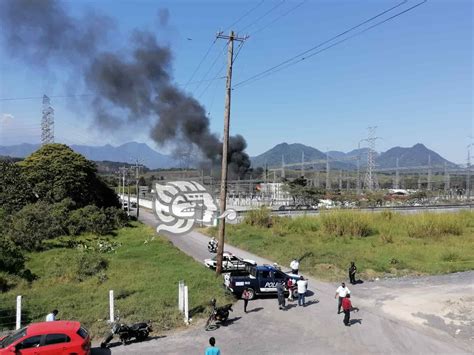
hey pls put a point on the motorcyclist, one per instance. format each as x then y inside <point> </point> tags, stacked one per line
<point>212,246</point>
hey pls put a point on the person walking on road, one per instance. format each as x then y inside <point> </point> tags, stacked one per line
<point>352,273</point>
<point>51,317</point>
<point>290,285</point>
<point>341,292</point>
<point>281,295</point>
<point>213,349</point>
<point>347,307</point>
<point>295,265</point>
<point>302,285</point>
<point>246,297</point>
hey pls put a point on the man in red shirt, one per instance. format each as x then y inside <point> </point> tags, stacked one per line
<point>347,307</point>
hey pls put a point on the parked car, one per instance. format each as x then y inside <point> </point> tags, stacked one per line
<point>230,262</point>
<point>48,338</point>
<point>262,280</point>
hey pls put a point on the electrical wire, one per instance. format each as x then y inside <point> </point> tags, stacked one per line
<point>243,16</point>
<point>212,66</point>
<point>297,57</point>
<point>263,16</point>
<point>200,63</point>
<point>277,18</point>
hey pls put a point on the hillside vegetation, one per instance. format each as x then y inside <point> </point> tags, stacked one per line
<point>381,244</point>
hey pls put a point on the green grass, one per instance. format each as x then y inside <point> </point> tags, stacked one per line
<point>144,278</point>
<point>379,243</point>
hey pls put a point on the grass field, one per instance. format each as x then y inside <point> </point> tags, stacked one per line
<point>144,277</point>
<point>379,243</point>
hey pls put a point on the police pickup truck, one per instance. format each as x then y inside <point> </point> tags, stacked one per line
<point>261,280</point>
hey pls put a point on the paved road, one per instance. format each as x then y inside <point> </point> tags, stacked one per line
<point>314,329</point>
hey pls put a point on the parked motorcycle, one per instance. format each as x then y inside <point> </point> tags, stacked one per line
<point>139,331</point>
<point>212,246</point>
<point>218,314</point>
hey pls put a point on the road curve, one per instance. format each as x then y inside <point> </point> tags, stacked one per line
<point>314,329</point>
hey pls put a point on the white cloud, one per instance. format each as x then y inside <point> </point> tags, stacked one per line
<point>6,119</point>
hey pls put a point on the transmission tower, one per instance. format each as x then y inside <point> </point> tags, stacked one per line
<point>468,175</point>
<point>328,181</point>
<point>429,173</point>
<point>371,182</point>
<point>446,178</point>
<point>47,122</point>
<point>283,167</point>
<point>396,185</point>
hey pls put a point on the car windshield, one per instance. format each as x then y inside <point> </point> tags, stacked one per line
<point>12,338</point>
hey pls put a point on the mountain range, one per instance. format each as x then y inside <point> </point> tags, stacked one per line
<point>418,155</point>
<point>125,153</point>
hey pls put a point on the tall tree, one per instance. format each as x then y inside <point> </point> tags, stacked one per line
<point>15,192</point>
<point>56,172</point>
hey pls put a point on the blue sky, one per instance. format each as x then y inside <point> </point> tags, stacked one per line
<point>412,77</point>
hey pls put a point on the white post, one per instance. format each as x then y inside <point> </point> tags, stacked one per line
<point>18,312</point>
<point>181,296</point>
<point>111,305</point>
<point>186,305</point>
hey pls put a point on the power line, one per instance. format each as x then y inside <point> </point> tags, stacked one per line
<point>263,16</point>
<point>221,52</point>
<point>200,63</point>
<point>291,61</point>
<point>279,17</point>
<point>243,16</point>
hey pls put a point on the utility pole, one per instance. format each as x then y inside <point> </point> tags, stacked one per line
<point>429,173</point>
<point>123,169</point>
<point>225,144</point>
<point>468,175</point>
<point>283,167</point>
<point>446,179</point>
<point>328,182</point>
<point>137,187</point>
<point>302,164</point>
<point>397,177</point>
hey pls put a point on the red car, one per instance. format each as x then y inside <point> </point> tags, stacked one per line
<point>48,338</point>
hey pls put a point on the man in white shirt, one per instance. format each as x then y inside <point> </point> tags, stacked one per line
<point>51,317</point>
<point>341,292</point>
<point>302,285</point>
<point>295,265</point>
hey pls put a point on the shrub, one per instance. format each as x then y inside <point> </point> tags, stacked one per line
<point>95,220</point>
<point>89,264</point>
<point>259,218</point>
<point>303,224</point>
<point>347,223</point>
<point>429,225</point>
<point>11,257</point>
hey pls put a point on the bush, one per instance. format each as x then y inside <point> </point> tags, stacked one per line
<point>434,225</point>
<point>94,220</point>
<point>347,223</point>
<point>301,225</point>
<point>259,218</point>
<point>37,222</point>
<point>89,264</point>
<point>11,257</point>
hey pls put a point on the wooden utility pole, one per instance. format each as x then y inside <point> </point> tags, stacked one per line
<point>225,144</point>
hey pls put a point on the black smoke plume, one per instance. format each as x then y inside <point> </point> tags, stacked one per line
<point>131,85</point>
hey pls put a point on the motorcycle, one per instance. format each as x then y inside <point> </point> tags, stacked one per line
<point>218,314</point>
<point>212,247</point>
<point>139,331</point>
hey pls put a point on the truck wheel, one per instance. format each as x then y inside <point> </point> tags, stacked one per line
<point>295,294</point>
<point>251,293</point>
